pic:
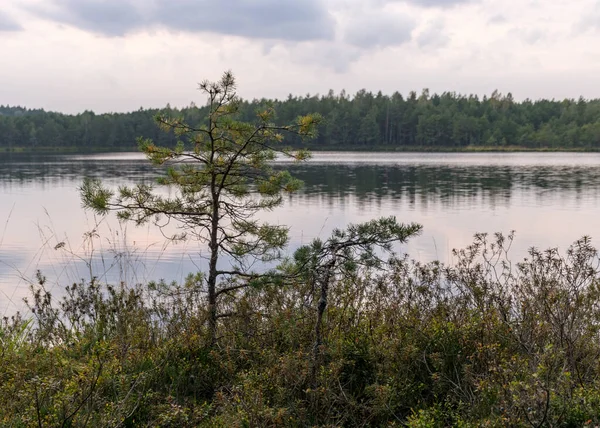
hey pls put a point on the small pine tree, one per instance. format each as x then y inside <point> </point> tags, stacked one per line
<point>222,174</point>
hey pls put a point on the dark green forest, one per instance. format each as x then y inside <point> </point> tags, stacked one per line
<point>363,121</point>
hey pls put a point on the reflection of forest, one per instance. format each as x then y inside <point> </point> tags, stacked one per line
<point>57,169</point>
<point>449,184</point>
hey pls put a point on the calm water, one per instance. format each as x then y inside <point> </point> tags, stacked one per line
<point>549,199</point>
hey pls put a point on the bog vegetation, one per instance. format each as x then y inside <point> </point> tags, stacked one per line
<point>478,343</point>
<point>342,333</point>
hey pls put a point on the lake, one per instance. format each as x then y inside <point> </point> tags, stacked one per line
<point>549,199</point>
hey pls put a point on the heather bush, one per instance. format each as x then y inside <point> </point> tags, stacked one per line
<point>485,341</point>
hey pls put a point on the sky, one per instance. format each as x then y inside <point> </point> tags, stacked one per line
<point>120,55</point>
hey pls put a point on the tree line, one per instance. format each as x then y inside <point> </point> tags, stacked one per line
<point>449,121</point>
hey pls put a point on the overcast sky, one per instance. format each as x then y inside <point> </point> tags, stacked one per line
<point>119,55</point>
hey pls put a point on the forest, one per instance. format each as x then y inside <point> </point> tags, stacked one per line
<point>364,121</point>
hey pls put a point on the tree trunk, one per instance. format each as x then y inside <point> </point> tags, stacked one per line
<point>322,305</point>
<point>212,273</point>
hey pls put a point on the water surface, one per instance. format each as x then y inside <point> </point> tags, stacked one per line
<point>549,199</point>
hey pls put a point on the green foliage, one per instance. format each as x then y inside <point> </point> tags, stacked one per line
<point>357,243</point>
<point>221,173</point>
<point>446,121</point>
<point>482,342</point>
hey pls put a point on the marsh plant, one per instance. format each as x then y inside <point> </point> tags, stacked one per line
<point>484,341</point>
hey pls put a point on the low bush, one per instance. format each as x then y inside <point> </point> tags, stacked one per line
<point>482,342</point>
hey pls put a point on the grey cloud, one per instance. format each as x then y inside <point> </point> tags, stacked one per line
<point>273,19</point>
<point>263,19</point>
<point>339,58</point>
<point>330,54</point>
<point>379,30</point>
<point>528,35</point>
<point>533,36</point>
<point>111,17</point>
<point>497,19</point>
<point>8,24</point>
<point>433,36</point>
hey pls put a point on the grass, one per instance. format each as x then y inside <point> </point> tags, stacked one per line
<point>104,253</point>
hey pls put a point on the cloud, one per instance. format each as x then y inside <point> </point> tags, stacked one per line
<point>591,20</point>
<point>436,3</point>
<point>336,56</point>
<point>258,19</point>
<point>498,19</point>
<point>378,30</point>
<point>433,36</point>
<point>110,17</point>
<point>8,24</point>
<point>528,35</point>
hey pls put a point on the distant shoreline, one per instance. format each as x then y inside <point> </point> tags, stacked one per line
<point>401,149</point>
<point>466,149</point>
